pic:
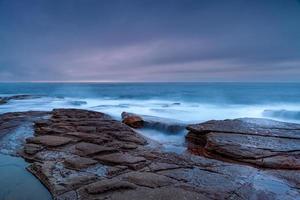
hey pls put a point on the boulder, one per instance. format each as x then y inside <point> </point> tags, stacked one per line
<point>132,120</point>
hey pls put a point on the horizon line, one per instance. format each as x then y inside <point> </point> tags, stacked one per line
<point>95,82</point>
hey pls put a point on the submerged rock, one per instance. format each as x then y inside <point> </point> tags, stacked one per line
<point>265,143</point>
<point>4,100</point>
<point>93,164</point>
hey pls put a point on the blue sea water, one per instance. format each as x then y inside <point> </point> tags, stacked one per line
<point>189,102</point>
<point>17,183</point>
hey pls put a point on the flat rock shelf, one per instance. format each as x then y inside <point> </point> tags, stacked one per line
<point>262,142</point>
<point>85,155</point>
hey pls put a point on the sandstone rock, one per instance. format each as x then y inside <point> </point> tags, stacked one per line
<point>84,136</point>
<point>132,120</point>
<point>162,166</point>
<point>50,140</point>
<point>79,163</point>
<point>250,126</point>
<point>265,143</point>
<point>111,161</point>
<point>147,179</point>
<point>76,181</point>
<point>87,149</point>
<point>42,171</point>
<point>108,185</point>
<point>120,158</point>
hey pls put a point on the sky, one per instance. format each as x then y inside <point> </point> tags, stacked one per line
<point>150,40</point>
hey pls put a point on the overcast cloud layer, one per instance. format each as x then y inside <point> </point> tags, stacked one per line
<point>110,40</point>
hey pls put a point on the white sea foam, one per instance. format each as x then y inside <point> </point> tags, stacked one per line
<point>189,112</point>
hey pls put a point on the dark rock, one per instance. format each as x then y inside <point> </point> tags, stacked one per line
<point>4,100</point>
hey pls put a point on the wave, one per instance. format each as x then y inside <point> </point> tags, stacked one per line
<point>282,114</point>
<point>185,111</point>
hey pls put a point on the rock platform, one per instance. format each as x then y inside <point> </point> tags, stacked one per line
<point>86,155</point>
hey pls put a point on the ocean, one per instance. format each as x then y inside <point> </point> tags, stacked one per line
<point>187,102</point>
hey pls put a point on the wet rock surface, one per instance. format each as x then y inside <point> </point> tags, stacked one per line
<point>132,120</point>
<point>94,162</point>
<point>10,121</point>
<point>15,128</point>
<point>262,142</point>
<point>145,121</point>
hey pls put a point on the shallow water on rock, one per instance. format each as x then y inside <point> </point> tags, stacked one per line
<point>12,142</point>
<point>17,183</point>
<point>169,142</point>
